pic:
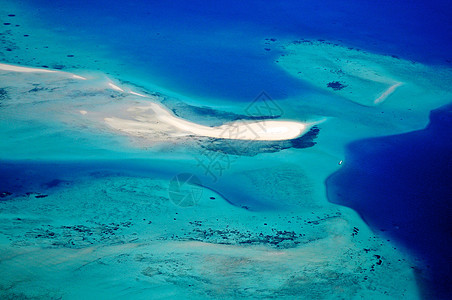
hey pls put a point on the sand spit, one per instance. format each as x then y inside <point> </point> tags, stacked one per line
<point>154,119</point>
<point>20,69</point>
<point>145,119</point>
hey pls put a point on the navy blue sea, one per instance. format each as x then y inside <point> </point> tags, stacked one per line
<point>401,186</point>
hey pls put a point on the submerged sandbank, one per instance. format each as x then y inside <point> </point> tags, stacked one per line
<point>124,231</point>
<point>364,78</point>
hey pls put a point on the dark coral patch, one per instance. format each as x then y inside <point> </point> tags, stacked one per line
<point>336,85</point>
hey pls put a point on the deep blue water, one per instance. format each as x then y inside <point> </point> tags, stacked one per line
<point>28,176</point>
<point>19,177</point>
<point>402,187</point>
<point>210,49</point>
<point>42,176</point>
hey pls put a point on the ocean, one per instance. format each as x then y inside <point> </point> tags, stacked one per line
<point>357,206</point>
<point>217,51</point>
<point>400,185</point>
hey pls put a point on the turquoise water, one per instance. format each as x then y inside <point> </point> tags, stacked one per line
<point>208,63</point>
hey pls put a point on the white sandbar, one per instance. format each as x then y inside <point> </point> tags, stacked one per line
<point>386,93</point>
<point>115,87</point>
<point>12,68</point>
<point>154,118</point>
<point>239,130</point>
